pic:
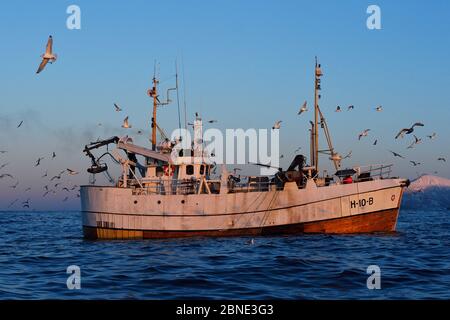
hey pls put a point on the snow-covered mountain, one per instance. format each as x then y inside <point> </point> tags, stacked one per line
<point>428,192</point>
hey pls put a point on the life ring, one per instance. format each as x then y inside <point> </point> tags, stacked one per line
<point>167,171</point>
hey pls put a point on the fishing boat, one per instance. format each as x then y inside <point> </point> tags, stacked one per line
<point>169,195</point>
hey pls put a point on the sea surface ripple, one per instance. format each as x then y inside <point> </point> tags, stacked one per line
<point>37,247</point>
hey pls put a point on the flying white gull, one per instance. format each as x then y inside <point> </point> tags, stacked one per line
<point>303,108</point>
<point>125,124</point>
<point>379,108</point>
<point>363,134</point>
<point>72,172</point>
<point>48,56</point>
<point>277,125</point>
<point>432,136</point>
<point>408,130</point>
<point>416,141</point>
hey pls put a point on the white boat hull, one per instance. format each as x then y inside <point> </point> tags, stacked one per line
<point>116,213</point>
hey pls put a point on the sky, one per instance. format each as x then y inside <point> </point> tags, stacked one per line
<point>244,63</point>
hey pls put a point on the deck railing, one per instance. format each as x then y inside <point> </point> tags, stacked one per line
<point>380,171</point>
<point>191,186</point>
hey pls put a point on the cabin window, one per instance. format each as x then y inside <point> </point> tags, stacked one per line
<point>190,170</point>
<point>202,169</point>
<point>159,171</point>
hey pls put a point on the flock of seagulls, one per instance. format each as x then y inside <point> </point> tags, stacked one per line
<point>365,133</point>
<point>49,188</point>
<point>50,57</point>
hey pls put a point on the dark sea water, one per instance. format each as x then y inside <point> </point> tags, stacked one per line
<point>37,247</point>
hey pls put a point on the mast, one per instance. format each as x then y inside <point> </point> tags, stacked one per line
<point>317,75</point>
<point>154,95</point>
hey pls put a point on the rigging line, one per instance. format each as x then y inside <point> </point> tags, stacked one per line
<point>266,215</point>
<point>248,207</point>
<point>161,132</point>
<point>184,93</point>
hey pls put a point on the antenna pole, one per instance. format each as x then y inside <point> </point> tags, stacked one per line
<point>318,74</point>
<point>153,93</point>
<point>178,98</point>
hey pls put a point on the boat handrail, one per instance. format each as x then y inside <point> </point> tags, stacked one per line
<point>367,172</point>
<point>192,186</point>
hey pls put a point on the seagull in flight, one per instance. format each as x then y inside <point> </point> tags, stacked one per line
<point>212,121</point>
<point>379,109</point>
<point>277,125</point>
<point>338,109</point>
<point>375,142</point>
<point>416,141</point>
<point>297,150</point>
<point>38,161</point>
<point>431,137</point>
<point>53,155</point>
<point>4,175</point>
<point>20,124</point>
<point>442,159</point>
<point>396,154</point>
<point>26,204</point>
<point>408,130</point>
<point>350,107</point>
<point>15,185</point>
<point>118,109</point>
<point>414,163</point>
<point>363,134</point>
<point>58,176</point>
<point>72,172</point>
<point>348,155</point>
<point>125,124</point>
<point>48,56</point>
<point>303,108</point>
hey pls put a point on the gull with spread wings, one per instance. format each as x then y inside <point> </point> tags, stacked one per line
<point>48,56</point>
<point>408,130</point>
